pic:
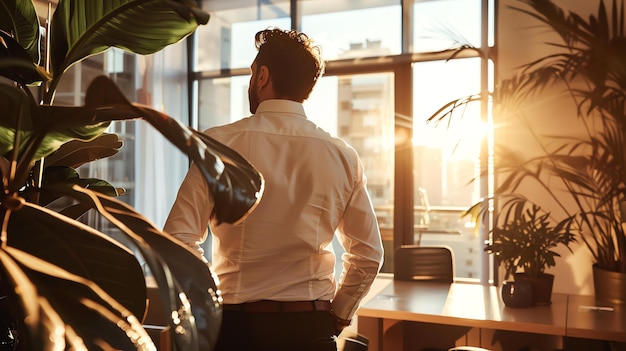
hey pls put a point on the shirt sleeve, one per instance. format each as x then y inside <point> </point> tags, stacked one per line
<point>189,217</point>
<point>360,236</point>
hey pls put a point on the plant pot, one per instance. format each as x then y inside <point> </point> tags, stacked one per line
<point>541,286</point>
<point>517,294</point>
<point>609,286</point>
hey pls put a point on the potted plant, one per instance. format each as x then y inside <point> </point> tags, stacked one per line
<point>69,286</point>
<point>523,242</point>
<point>582,177</point>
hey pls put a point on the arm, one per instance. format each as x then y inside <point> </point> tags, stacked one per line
<point>190,214</point>
<point>360,236</point>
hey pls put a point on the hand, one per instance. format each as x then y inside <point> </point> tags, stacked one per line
<point>340,324</point>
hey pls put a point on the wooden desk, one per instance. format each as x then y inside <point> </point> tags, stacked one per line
<point>583,322</point>
<point>475,306</point>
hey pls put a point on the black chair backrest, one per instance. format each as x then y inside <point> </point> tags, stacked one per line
<point>424,263</point>
<point>355,342</point>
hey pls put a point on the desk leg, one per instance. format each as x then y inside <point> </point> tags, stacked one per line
<point>383,334</point>
<point>372,329</point>
<point>393,335</point>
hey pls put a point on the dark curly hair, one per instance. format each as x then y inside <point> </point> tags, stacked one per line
<point>294,62</point>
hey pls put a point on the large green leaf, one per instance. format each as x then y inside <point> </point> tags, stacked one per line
<point>43,129</point>
<point>92,318</point>
<point>44,328</point>
<point>75,153</point>
<point>16,64</point>
<point>67,176</point>
<point>178,271</point>
<point>18,18</point>
<point>81,28</point>
<point>80,250</point>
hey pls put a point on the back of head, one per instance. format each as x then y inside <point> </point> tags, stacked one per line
<point>294,62</point>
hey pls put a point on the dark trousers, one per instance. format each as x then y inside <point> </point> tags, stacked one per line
<point>277,331</point>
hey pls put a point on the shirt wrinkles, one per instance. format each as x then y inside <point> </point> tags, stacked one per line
<point>272,254</point>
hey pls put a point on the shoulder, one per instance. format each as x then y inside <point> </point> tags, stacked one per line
<point>339,143</point>
<point>229,128</point>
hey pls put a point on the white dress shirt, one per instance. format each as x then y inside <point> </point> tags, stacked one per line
<point>314,188</point>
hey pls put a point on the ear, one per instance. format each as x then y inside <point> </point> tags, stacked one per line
<point>263,77</point>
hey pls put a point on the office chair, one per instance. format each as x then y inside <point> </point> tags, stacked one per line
<point>352,342</point>
<point>423,263</point>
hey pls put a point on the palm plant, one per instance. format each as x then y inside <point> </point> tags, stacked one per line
<point>589,61</point>
<point>524,236</point>
<point>69,285</point>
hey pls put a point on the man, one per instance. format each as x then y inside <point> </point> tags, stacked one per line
<point>276,268</point>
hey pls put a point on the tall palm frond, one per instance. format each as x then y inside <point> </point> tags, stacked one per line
<point>585,175</point>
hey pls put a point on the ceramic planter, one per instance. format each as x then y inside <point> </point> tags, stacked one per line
<point>517,294</point>
<point>609,286</point>
<point>541,287</point>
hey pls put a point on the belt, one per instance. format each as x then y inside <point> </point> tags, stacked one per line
<point>279,306</point>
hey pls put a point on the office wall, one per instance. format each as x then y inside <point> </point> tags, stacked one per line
<point>519,41</point>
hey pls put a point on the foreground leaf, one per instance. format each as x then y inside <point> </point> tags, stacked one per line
<point>80,250</point>
<point>43,128</point>
<point>81,28</point>
<point>66,176</point>
<point>16,64</point>
<point>41,326</point>
<point>76,153</point>
<point>19,18</point>
<point>92,318</point>
<point>186,284</point>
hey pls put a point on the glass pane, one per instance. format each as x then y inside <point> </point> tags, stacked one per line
<point>439,25</point>
<point>117,169</point>
<point>354,28</point>
<point>446,159</point>
<point>227,41</point>
<point>222,100</point>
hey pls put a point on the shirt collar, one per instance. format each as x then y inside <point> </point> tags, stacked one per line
<point>281,105</point>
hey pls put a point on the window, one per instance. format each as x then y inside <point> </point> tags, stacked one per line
<point>447,158</point>
<point>227,40</point>
<point>385,74</point>
<point>443,24</point>
<point>354,28</point>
